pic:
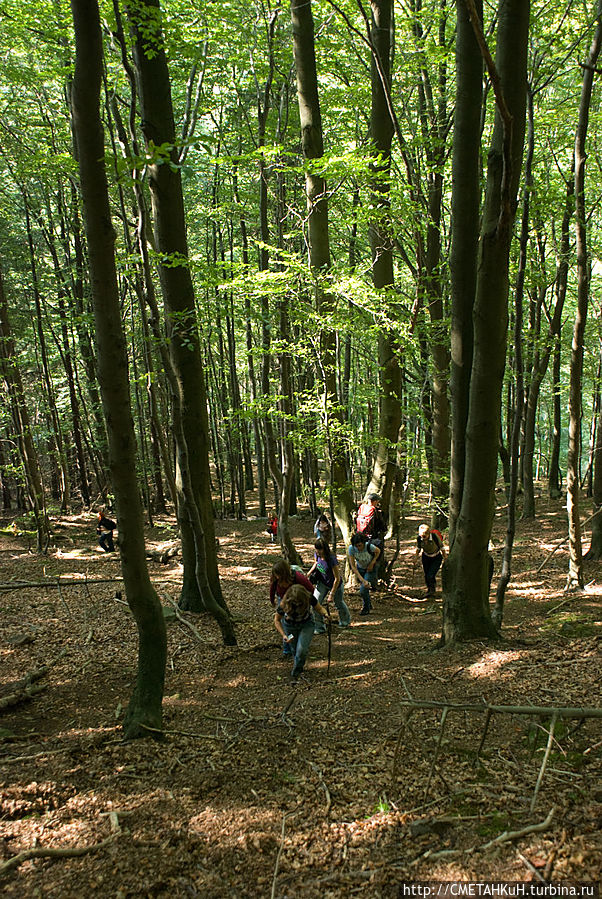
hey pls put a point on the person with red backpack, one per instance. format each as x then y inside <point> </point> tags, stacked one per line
<point>430,546</point>
<point>370,523</point>
<point>370,520</point>
<point>272,526</point>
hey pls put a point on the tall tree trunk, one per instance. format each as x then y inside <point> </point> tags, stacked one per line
<point>573,474</point>
<point>519,390</point>
<point>178,296</point>
<point>543,357</point>
<point>466,611</point>
<point>319,245</point>
<point>555,475</point>
<point>61,454</point>
<point>389,369</point>
<point>433,116</point>
<point>594,552</point>
<point>465,239</point>
<point>144,709</point>
<point>22,424</point>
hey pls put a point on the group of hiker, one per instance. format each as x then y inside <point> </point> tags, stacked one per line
<point>301,601</point>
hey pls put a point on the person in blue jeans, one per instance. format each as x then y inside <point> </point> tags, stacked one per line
<point>294,621</point>
<point>326,575</point>
<point>363,557</point>
<point>283,577</point>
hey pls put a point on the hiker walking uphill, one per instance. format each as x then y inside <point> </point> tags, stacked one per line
<point>363,556</point>
<point>323,529</point>
<point>326,575</point>
<point>283,577</point>
<point>294,621</point>
<point>370,522</point>
<point>104,528</point>
<point>272,526</point>
<point>431,548</point>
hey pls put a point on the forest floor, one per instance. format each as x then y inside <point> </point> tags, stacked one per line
<point>321,790</point>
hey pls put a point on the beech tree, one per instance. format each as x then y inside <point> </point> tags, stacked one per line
<point>575,572</point>
<point>201,587</point>
<point>466,611</point>
<point>318,244</point>
<point>144,709</point>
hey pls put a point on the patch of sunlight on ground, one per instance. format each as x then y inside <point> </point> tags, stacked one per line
<point>491,663</point>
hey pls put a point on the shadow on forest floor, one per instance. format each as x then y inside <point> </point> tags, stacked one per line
<point>327,790</point>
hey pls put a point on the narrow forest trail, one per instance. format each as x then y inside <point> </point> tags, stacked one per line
<point>261,789</point>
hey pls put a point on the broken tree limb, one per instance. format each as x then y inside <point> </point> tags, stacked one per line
<point>563,541</point>
<point>324,787</point>
<point>545,760</point>
<point>436,753</point>
<point>508,836</point>
<point>25,689</point>
<point>536,710</point>
<point>38,852</point>
<point>22,695</point>
<point>57,582</point>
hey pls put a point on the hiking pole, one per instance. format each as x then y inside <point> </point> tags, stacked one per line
<point>413,573</point>
<point>329,629</point>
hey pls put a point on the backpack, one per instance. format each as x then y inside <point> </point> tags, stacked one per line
<point>365,517</point>
<point>438,537</point>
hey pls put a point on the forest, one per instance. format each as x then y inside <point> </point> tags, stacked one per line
<point>274,259</point>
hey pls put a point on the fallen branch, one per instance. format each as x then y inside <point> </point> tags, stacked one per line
<point>545,760</point>
<point>19,696</point>
<point>57,582</point>
<point>324,787</point>
<point>73,852</point>
<point>179,733</point>
<point>536,710</point>
<point>565,540</point>
<point>285,815</point>
<point>24,689</point>
<point>36,755</point>
<point>508,836</point>
<point>280,848</point>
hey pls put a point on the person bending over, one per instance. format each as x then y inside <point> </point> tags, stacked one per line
<point>283,577</point>
<point>294,621</point>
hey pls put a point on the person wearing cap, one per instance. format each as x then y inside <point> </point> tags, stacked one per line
<point>430,547</point>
